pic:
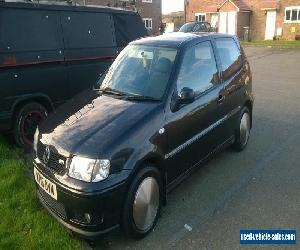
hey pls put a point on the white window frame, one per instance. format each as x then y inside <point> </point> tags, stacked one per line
<point>200,14</point>
<point>147,1</point>
<point>149,21</point>
<point>291,8</point>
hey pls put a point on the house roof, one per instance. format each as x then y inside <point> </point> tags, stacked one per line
<point>239,4</point>
<point>269,4</point>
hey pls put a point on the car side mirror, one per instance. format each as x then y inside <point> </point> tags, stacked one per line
<point>186,96</point>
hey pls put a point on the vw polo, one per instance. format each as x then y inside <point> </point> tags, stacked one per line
<point>109,157</point>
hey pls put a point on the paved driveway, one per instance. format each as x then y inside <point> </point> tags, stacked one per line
<point>256,189</point>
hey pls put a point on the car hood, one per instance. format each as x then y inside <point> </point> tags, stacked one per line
<point>91,123</point>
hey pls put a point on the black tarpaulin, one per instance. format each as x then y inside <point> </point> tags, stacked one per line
<point>128,28</point>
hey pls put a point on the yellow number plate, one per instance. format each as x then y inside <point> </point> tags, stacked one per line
<point>45,184</point>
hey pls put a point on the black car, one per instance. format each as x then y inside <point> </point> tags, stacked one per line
<point>196,27</point>
<point>49,53</point>
<point>166,105</point>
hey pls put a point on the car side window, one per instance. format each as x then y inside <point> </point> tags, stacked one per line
<point>199,27</point>
<point>198,69</point>
<point>230,56</point>
<point>208,26</point>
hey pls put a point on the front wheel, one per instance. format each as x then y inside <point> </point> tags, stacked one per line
<point>25,123</point>
<point>242,134</point>
<point>143,203</point>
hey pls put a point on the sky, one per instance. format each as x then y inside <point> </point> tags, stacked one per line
<point>172,5</point>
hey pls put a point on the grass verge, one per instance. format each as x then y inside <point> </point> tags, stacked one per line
<point>274,44</point>
<point>24,223</point>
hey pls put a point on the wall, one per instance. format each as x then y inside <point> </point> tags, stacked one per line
<point>287,34</point>
<point>257,16</point>
<point>258,20</point>
<point>151,10</point>
<point>194,6</point>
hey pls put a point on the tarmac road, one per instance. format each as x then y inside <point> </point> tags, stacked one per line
<point>256,189</point>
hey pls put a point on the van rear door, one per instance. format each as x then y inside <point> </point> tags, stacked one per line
<point>90,47</point>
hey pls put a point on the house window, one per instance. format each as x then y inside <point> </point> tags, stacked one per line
<point>147,1</point>
<point>148,23</point>
<point>292,14</point>
<point>287,15</point>
<point>200,17</point>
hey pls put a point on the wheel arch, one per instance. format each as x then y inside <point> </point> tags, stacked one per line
<point>157,162</point>
<point>249,105</point>
<point>39,98</point>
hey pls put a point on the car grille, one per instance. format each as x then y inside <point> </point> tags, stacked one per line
<point>55,161</point>
<point>55,206</point>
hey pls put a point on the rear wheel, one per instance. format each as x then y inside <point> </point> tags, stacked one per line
<point>143,203</point>
<point>26,121</point>
<point>243,131</point>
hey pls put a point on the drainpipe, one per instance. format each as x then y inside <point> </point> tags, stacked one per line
<point>184,12</point>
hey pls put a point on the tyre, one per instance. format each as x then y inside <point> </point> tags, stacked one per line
<point>242,133</point>
<point>26,120</point>
<point>143,203</point>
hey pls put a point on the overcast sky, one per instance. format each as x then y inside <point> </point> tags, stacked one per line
<point>172,5</point>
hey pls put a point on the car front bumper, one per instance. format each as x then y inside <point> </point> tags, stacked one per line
<point>88,215</point>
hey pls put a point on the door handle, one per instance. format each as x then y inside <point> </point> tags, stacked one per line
<point>221,99</point>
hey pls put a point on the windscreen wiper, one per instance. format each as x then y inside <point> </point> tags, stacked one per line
<point>113,91</point>
<point>141,98</point>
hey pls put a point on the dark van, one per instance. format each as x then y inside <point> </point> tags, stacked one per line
<point>166,105</point>
<point>49,53</point>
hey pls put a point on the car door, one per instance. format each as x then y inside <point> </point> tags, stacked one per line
<point>234,76</point>
<point>193,128</point>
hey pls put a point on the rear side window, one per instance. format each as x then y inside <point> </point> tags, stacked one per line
<point>200,27</point>
<point>87,30</point>
<point>28,30</point>
<point>198,69</point>
<point>230,56</point>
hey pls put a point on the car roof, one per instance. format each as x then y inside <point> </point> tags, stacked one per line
<point>194,22</point>
<point>177,39</point>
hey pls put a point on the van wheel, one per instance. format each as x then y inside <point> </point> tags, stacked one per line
<point>242,134</point>
<point>25,123</point>
<point>143,203</point>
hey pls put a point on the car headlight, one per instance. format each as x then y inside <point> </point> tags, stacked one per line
<point>35,139</point>
<point>89,170</point>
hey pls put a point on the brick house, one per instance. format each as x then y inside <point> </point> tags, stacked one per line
<point>149,10</point>
<point>267,19</point>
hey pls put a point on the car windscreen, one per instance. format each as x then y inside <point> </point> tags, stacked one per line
<point>141,71</point>
<point>188,27</point>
